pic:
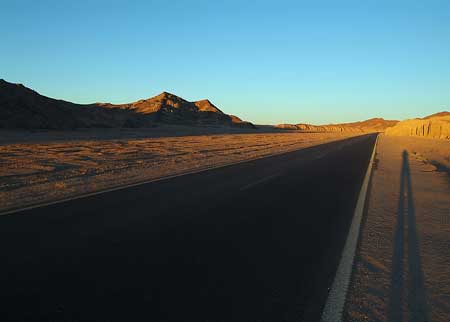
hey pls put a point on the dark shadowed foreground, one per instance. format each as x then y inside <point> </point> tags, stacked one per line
<point>256,241</point>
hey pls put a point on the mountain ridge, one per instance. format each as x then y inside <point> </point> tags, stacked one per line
<point>22,107</point>
<point>376,124</point>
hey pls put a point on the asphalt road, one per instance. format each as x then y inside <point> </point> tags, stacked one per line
<point>255,241</point>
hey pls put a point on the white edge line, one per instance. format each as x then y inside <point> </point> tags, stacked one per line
<point>80,196</point>
<point>334,306</point>
<point>257,182</point>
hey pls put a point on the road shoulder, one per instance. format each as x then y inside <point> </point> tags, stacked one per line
<point>401,268</point>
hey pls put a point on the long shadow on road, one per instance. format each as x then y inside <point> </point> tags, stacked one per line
<point>411,290</point>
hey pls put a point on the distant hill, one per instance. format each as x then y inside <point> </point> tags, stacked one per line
<point>21,107</point>
<point>444,113</point>
<point>371,125</point>
<point>435,126</point>
<point>374,124</point>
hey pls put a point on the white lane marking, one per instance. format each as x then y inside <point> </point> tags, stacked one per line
<point>80,196</point>
<point>334,305</point>
<point>257,182</point>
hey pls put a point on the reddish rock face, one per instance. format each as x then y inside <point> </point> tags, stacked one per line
<point>207,106</point>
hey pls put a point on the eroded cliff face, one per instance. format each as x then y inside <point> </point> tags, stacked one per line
<point>436,127</point>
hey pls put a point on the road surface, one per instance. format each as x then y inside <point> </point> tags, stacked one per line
<point>255,241</point>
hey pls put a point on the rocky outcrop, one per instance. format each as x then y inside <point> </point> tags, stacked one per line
<point>21,107</point>
<point>169,108</point>
<point>436,127</point>
<point>237,122</point>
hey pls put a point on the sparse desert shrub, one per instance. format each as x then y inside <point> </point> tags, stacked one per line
<point>60,185</point>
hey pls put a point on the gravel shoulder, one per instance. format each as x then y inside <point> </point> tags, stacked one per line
<point>402,264</point>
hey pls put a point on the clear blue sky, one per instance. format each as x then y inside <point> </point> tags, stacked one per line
<point>265,61</point>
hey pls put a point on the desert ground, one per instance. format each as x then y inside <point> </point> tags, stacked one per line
<point>402,265</point>
<point>39,167</point>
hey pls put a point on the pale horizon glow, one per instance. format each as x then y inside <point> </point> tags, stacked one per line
<point>266,62</point>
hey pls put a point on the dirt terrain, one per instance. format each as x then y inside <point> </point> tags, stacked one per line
<point>401,271</point>
<point>48,169</point>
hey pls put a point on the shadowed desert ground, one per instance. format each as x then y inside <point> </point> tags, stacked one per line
<point>55,165</point>
<point>402,265</point>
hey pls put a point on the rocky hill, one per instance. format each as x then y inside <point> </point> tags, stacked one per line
<point>371,125</point>
<point>433,126</point>
<point>21,107</point>
<point>444,113</point>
